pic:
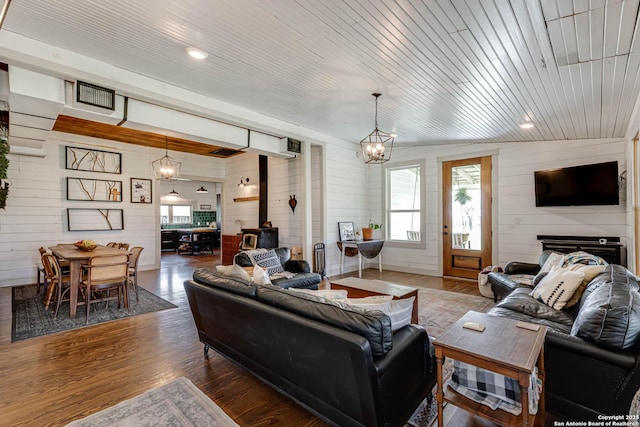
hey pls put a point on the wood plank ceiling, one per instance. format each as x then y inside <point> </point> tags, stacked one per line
<point>449,70</point>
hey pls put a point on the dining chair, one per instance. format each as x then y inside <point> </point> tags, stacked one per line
<point>59,282</point>
<point>134,257</point>
<point>123,246</point>
<point>42,275</point>
<point>112,244</point>
<point>106,274</point>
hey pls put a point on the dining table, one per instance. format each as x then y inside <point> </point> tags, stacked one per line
<point>77,257</point>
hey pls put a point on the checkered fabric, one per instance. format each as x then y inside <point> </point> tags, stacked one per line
<point>493,390</point>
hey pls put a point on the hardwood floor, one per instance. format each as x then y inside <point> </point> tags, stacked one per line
<point>54,379</point>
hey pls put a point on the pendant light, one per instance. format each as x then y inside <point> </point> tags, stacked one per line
<point>166,168</point>
<point>376,147</point>
<point>202,190</point>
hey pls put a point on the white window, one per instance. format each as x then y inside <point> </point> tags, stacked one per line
<point>175,214</point>
<point>404,203</point>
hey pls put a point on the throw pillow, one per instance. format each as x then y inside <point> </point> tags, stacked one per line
<point>373,299</point>
<point>233,271</point>
<point>399,311</point>
<point>590,272</point>
<point>328,294</point>
<point>260,276</point>
<point>554,258</point>
<point>557,287</point>
<point>270,261</point>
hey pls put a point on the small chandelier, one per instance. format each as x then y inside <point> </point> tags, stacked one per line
<point>166,168</point>
<point>377,146</point>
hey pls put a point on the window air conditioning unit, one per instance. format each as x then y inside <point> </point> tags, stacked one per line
<point>290,146</point>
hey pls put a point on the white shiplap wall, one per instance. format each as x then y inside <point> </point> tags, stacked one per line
<point>36,208</point>
<point>516,221</point>
<point>347,199</point>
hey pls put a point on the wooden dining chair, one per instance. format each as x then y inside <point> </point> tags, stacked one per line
<point>106,274</point>
<point>42,275</point>
<point>123,246</point>
<point>112,244</point>
<point>134,257</point>
<point>59,282</point>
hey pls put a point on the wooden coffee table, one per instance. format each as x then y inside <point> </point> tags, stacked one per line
<point>503,348</point>
<point>360,288</point>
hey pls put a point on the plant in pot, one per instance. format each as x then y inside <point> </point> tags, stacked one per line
<point>367,232</point>
<point>4,165</point>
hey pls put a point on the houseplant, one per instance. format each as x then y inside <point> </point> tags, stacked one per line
<point>4,165</point>
<point>367,232</point>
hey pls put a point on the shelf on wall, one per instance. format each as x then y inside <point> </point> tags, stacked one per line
<point>246,199</point>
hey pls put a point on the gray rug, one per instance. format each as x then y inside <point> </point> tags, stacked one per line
<point>30,319</point>
<point>178,403</point>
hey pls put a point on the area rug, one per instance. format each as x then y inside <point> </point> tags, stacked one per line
<point>177,404</point>
<point>30,319</point>
<point>438,310</point>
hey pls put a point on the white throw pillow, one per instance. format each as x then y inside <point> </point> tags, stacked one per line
<point>260,276</point>
<point>329,294</point>
<point>233,271</point>
<point>554,259</point>
<point>557,287</point>
<point>399,311</point>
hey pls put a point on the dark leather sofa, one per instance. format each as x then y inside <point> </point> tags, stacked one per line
<point>592,350</point>
<point>344,365</point>
<point>303,278</point>
<point>502,285</point>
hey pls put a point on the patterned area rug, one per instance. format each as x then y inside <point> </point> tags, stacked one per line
<point>438,310</point>
<point>30,319</point>
<point>178,403</point>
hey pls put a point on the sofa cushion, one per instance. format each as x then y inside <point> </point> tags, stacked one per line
<point>228,283</point>
<point>300,280</point>
<point>553,259</point>
<point>558,286</point>
<point>610,310</point>
<point>374,326</point>
<point>520,301</point>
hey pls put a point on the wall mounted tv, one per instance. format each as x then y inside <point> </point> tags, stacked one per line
<point>586,185</point>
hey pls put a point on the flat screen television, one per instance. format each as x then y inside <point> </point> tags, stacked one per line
<point>586,185</point>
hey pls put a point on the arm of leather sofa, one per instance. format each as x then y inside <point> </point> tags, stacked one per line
<point>517,267</point>
<point>407,373</point>
<point>297,266</point>
<point>582,348</point>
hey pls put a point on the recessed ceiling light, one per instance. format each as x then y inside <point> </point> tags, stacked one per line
<point>196,53</point>
<point>527,125</point>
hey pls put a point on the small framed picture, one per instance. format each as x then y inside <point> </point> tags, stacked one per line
<point>141,191</point>
<point>346,231</point>
<point>249,241</point>
<point>205,207</point>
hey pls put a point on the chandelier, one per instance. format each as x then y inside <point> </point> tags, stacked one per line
<point>377,146</point>
<point>166,168</point>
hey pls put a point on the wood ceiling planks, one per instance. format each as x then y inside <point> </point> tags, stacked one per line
<point>93,129</point>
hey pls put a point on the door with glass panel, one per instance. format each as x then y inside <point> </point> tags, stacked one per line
<point>466,217</point>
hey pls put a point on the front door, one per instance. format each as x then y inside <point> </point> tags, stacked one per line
<point>466,218</point>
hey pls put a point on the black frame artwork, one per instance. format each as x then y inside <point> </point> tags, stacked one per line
<point>94,190</point>
<point>141,190</point>
<point>87,219</point>
<point>90,160</point>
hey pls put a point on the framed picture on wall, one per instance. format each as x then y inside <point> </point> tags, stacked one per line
<point>205,207</point>
<point>346,231</point>
<point>90,160</point>
<point>141,191</point>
